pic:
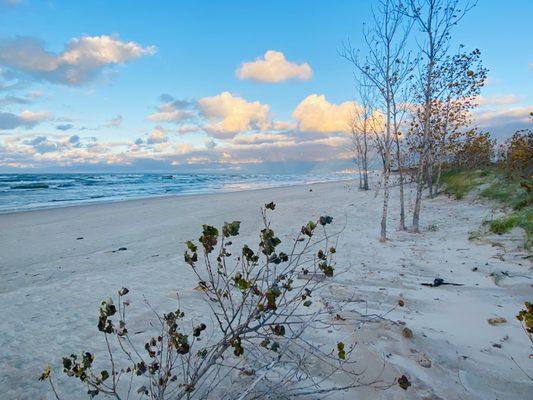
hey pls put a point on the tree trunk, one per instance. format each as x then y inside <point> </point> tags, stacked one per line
<point>430,175</point>
<point>360,175</point>
<point>365,165</point>
<point>386,175</point>
<point>365,180</point>
<point>425,140</point>
<point>386,171</point>
<point>418,200</point>
<point>400,172</point>
<point>439,169</point>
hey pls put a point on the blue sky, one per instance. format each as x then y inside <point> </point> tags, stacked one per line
<point>191,52</point>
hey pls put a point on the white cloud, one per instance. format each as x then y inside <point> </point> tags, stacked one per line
<point>82,59</point>
<point>34,116</point>
<point>157,135</point>
<point>64,150</point>
<point>188,128</point>
<point>488,118</point>
<point>169,113</point>
<point>283,125</point>
<point>316,114</point>
<point>26,119</point>
<point>258,138</point>
<point>91,51</point>
<point>228,115</point>
<point>173,110</point>
<point>238,132</point>
<point>503,122</point>
<point>274,68</point>
<point>498,100</point>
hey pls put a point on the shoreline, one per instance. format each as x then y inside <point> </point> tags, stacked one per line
<point>88,202</point>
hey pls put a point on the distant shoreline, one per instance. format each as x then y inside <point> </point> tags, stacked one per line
<point>154,197</point>
<point>49,191</point>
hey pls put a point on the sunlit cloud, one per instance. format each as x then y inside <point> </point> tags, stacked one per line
<point>63,150</point>
<point>284,125</point>
<point>26,119</point>
<point>228,115</point>
<point>273,67</point>
<point>316,114</point>
<point>173,110</point>
<point>81,60</point>
<point>237,131</point>
<point>158,135</point>
<point>496,117</point>
<point>503,122</point>
<point>169,113</point>
<point>498,100</point>
<point>259,138</point>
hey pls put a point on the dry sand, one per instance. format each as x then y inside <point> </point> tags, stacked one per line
<point>51,284</point>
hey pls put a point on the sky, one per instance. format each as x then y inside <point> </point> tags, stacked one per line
<point>212,85</point>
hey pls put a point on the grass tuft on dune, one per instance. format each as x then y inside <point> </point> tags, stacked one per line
<point>514,194</point>
<point>459,182</point>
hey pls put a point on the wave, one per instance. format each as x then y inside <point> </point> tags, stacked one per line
<point>30,186</point>
<point>28,191</point>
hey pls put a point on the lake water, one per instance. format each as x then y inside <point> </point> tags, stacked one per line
<point>32,191</point>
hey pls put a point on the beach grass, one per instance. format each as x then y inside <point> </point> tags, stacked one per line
<point>459,182</point>
<point>514,195</point>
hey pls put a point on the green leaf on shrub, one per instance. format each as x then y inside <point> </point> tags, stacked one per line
<point>309,228</point>
<point>104,375</point>
<point>268,241</point>
<point>191,246</point>
<point>231,229</point>
<point>209,238</point>
<point>340,351</point>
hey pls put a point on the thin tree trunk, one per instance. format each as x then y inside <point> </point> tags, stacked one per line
<point>400,172</point>
<point>386,171</point>
<point>386,175</point>
<point>418,200</point>
<point>365,179</point>
<point>360,175</point>
<point>425,141</point>
<point>430,175</point>
<point>442,147</point>
<point>365,164</point>
<point>439,169</point>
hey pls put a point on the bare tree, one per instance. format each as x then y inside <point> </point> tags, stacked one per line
<point>363,125</point>
<point>399,111</point>
<point>435,19</point>
<point>386,69</point>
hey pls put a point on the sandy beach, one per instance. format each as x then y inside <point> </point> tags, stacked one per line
<point>56,265</point>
